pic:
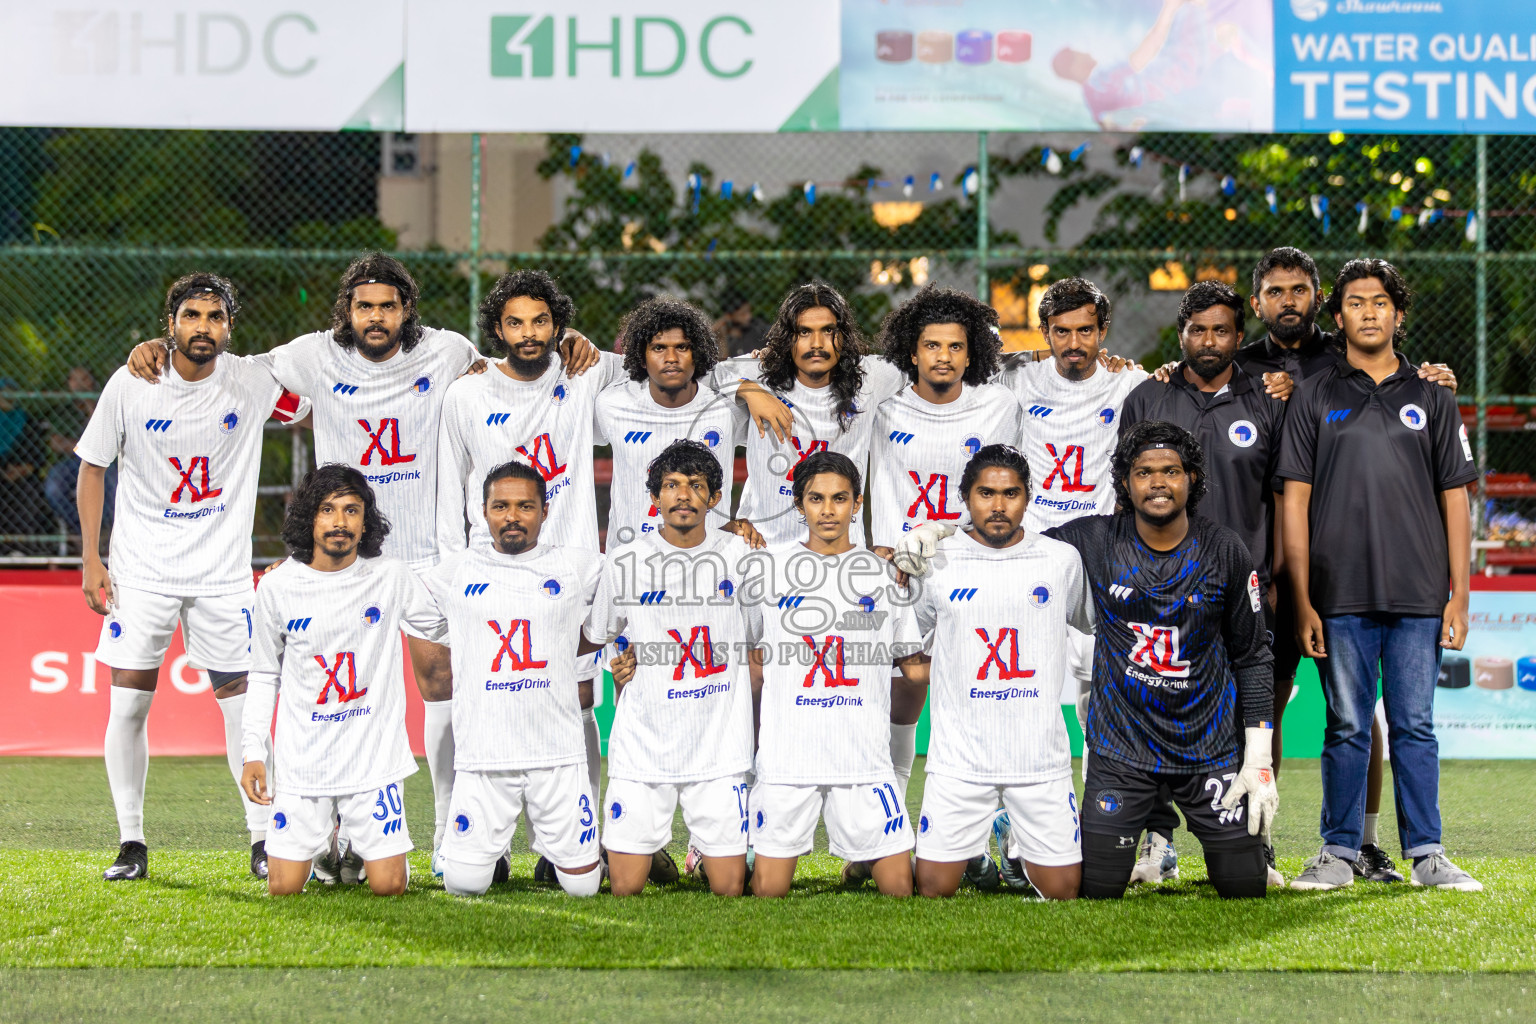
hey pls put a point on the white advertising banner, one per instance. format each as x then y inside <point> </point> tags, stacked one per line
<point>259,64</point>
<point>594,66</point>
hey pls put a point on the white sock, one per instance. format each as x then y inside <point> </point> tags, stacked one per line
<point>594,749</point>
<point>585,884</point>
<point>1369,838</point>
<point>233,710</point>
<point>437,737</point>
<point>903,751</point>
<point>127,757</point>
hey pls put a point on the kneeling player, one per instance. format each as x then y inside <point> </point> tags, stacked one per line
<point>514,609</point>
<point>682,731</point>
<point>326,636</point>
<point>833,625</point>
<point>997,725</point>
<point>1180,657</point>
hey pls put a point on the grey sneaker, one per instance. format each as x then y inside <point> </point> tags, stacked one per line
<point>1325,871</point>
<point>1374,865</point>
<point>1158,861</point>
<point>1437,870</point>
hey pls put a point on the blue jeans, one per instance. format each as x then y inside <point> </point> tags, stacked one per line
<point>1406,650</point>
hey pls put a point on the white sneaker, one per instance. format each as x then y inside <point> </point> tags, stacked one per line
<point>1158,861</point>
<point>1438,872</point>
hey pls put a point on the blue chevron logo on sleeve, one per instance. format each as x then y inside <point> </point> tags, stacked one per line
<point>652,596</point>
<point>475,589</point>
<point>1338,415</point>
<point>790,602</point>
<point>1041,410</point>
<point>298,625</point>
<point>496,419</point>
<point>637,436</point>
<point>962,594</point>
<point>901,436</point>
<point>157,425</point>
<point>344,389</point>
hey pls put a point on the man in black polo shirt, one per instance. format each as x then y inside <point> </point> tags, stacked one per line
<point>1239,426</point>
<point>1376,462</point>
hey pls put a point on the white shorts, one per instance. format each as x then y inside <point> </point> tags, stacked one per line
<point>482,815</point>
<point>865,821</point>
<point>638,815</point>
<point>956,820</point>
<point>216,630</point>
<point>299,827</point>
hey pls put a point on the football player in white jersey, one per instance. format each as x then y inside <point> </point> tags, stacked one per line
<point>834,623</point>
<point>326,639</point>
<point>526,405</point>
<point>947,345</point>
<point>997,658</point>
<point>515,604</point>
<point>669,354</point>
<point>682,729</point>
<point>188,459</point>
<point>813,362</point>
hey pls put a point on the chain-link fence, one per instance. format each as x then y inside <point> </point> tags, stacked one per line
<point>95,224</point>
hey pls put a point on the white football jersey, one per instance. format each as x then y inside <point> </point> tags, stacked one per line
<point>639,429</point>
<point>381,418</point>
<point>514,622</point>
<point>919,450</point>
<point>1070,429</point>
<point>686,716</point>
<point>328,644</point>
<point>832,627</point>
<point>996,625</point>
<point>189,457</point>
<point>768,499</point>
<point>490,419</point>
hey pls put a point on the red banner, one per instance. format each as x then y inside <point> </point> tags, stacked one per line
<point>55,694</point>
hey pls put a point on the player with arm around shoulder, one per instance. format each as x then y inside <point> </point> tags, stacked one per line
<point>996,662</point>
<point>325,637</point>
<point>514,609</point>
<point>834,623</point>
<point>682,729</point>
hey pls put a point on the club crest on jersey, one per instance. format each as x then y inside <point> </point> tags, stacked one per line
<point>551,587</point>
<point>760,819</point>
<point>421,385</point>
<point>922,825</point>
<point>229,421</point>
<point>1243,433</point>
<point>726,589</point>
<point>372,615</point>
<point>616,810</point>
<point>279,821</point>
<point>559,394</point>
<point>114,631</point>
<point>1413,417</point>
<point>1110,801</point>
<point>712,438</point>
<point>463,824</point>
<point>1107,416</point>
<point>1039,595</point>
<point>972,444</point>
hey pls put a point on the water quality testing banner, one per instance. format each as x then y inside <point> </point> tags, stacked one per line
<point>1165,65</point>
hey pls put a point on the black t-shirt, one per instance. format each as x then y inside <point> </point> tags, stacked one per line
<point>1316,353</point>
<point>1174,628</point>
<point>1240,429</point>
<point>1377,457</point>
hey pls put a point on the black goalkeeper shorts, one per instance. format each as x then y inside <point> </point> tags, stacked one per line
<point>1118,798</point>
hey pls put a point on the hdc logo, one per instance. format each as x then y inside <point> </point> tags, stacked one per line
<point>1007,643</point>
<point>517,661</point>
<point>832,674</point>
<point>701,669</point>
<point>524,47</point>
<point>1069,468</point>
<point>389,428</point>
<point>197,490</point>
<point>345,660</point>
<point>925,496</point>
<point>543,457</point>
<point>1157,647</point>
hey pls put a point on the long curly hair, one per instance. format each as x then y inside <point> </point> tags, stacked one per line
<point>664,313</point>
<point>376,268</point>
<point>1157,432</point>
<point>333,478</point>
<point>932,305</point>
<point>778,364</point>
<point>531,284</point>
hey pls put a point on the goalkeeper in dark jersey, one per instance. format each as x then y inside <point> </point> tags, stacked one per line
<point>1182,696</point>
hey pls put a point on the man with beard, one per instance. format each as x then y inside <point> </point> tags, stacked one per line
<point>188,457</point>
<point>1239,426</point>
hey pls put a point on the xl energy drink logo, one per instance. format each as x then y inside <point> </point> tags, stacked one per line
<point>524,46</point>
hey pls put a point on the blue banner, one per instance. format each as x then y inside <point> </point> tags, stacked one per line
<point>1442,66</point>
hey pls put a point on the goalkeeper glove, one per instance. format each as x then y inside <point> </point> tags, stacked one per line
<point>1256,781</point>
<point>916,547</point>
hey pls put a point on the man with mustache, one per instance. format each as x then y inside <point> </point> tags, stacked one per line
<point>325,636</point>
<point>188,456</point>
<point>514,604</point>
<point>1239,426</point>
